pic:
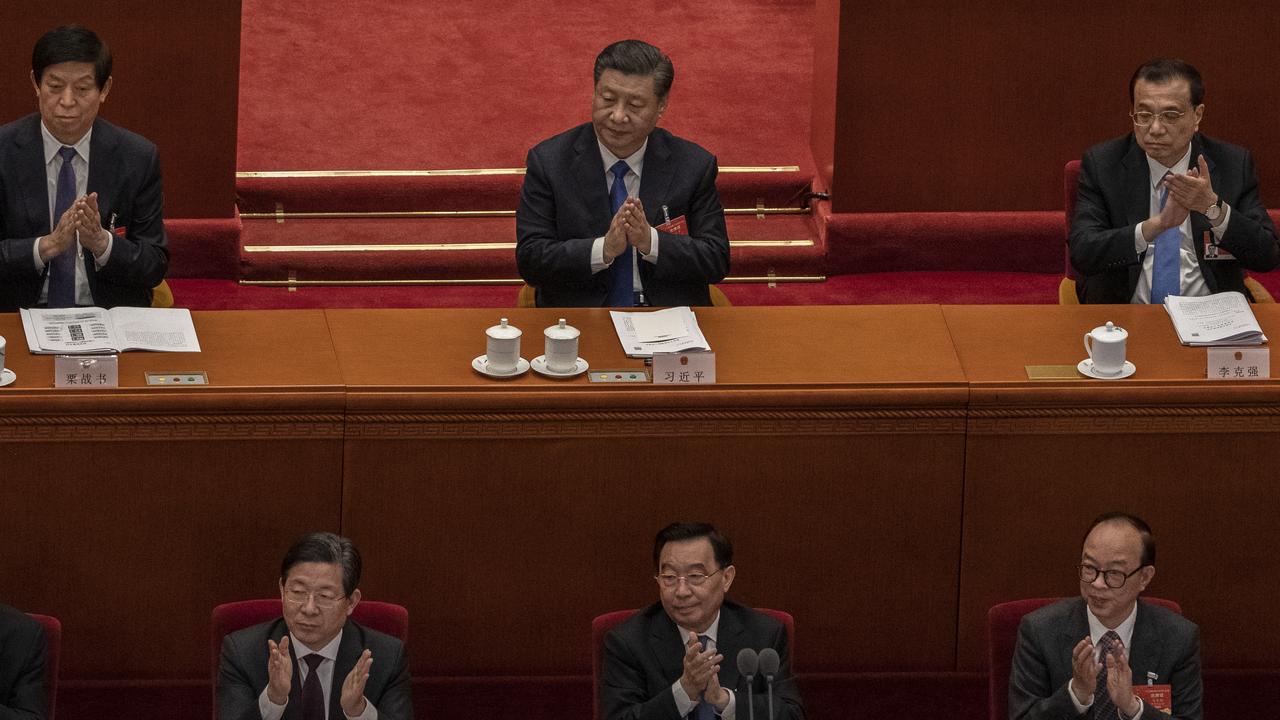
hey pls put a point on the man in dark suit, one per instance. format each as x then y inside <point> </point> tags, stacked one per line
<point>668,660</point>
<point>1083,657</point>
<point>314,663</point>
<point>22,658</point>
<point>81,205</point>
<point>1165,210</point>
<point>616,212</point>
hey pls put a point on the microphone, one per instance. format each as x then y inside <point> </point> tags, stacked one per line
<point>769,662</point>
<point>748,661</point>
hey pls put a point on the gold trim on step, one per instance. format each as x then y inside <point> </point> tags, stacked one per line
<point>293,174</point>
<point>438,247</point>
<point>280,215</point>
<point>294,283</point>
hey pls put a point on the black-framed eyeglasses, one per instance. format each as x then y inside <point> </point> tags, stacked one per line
<point>1143,118</point>
<point>1114,579</point>
<point>670,580</point>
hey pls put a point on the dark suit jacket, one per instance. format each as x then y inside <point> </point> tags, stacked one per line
<point>1163,642</point>
<point>1113,195</point>
<point>564,207</point>
<point>242,673</point>
<point>645,655</point>
<point>22,649</point>
<point>124,169</point>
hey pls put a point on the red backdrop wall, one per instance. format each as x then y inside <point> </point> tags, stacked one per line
<point>977,106</point>
<point>177,77</point>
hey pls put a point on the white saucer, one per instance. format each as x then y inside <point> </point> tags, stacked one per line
<point>539,365</point>
<point>1086,368</point>
<point>481,366</point>
<point>7,377</point>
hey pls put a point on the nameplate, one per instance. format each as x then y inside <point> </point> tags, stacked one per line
<point>86,371</point>
<point>684,368</point>
<point>1227,363</point>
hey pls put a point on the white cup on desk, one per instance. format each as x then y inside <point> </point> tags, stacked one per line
<point>502,348</point>
<point>2,365</point>
<point>1106,347</point>
<point>561,345</point>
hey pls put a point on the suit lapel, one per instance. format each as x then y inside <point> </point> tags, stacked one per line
<point>729,641</point>
<point>666,644</point>
<point>1145,646</point>
<point>1138,202</point>
<point>103,152</point>
<point>587,170</point>
<point>33,177</point>
<point>658,173</point>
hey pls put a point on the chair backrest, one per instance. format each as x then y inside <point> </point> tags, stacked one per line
<point>1002,636</point>
<point>52,652</point>
<point>1070,181</point>
<point>602,624</point>
<point>387,618</point>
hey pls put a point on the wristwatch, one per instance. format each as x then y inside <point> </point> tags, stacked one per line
<point>1214,211</point>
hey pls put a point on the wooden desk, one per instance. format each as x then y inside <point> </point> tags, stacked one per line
<point>1194,457</point>
<point>507,513</point>
<point>132,512</point>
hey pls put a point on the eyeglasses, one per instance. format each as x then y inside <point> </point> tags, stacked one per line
<point>323,601</point>
<point>1114,579</point>
<point>670,580</point>
<point>1142,118</point>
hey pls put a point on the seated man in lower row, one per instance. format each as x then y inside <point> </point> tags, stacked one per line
<point>22,659</point>
<point>1082,657</point>
<point>669,660</point>
<point>314,663</point>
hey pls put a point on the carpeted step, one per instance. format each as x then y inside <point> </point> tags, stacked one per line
<point>475,190</point>
<point>469,249</point>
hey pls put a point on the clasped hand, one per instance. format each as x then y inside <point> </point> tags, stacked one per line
<point>628,228</point>
<point>82,219</point>
<point>1192,191</point>
<point>701,676</point>
<point>1084,678</point>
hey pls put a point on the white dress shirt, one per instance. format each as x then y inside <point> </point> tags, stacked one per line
<point>685,704</point>
<point>1191,280</point>
<point>1096,631</point>
<point>52,167</point>
<point>271,711</point>
<point>632,181</point>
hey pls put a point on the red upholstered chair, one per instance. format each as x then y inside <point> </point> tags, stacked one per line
<point>602,624</point>
<point>1002,636</point>
<point>387,618</point>
<point>52,651</point>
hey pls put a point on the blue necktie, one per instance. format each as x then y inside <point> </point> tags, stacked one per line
<point>621,285</point>
<point>1165,275</point>
<point>62,267</point>
<point>704,709</point>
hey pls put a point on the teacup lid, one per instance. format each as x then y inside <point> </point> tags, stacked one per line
<point>503,331</point>
<point>1109,332</point>
<point>562,331</point>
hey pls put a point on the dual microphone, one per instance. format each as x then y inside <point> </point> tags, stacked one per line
<point>765,662</point>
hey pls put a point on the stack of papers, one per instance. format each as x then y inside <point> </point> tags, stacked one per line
<point>671,330</point>
<point>1223,319</point>
<point>96,330</point>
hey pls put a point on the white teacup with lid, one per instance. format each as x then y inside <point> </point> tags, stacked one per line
<point>561,347</point>
<point>1106,347</point>
<point>502,348</point>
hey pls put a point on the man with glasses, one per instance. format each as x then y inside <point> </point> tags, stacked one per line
<point>669,660</point>
<point>1165,210</point>
<point>314,663</point>
<point>1082,657</point>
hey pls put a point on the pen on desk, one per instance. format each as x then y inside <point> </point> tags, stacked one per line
<point>666,215</point>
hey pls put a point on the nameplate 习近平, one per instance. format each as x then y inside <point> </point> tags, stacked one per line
<point>684,368</point>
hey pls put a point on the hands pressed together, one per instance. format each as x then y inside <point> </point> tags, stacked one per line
<point>1190,192</point>
<point>83,221</point>
<point>629,227</point>
<point>701,676</point>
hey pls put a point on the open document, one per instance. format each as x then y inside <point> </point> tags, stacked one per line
<point>1220,319</point>
<point>97,330</point>
<point>671,330</point>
